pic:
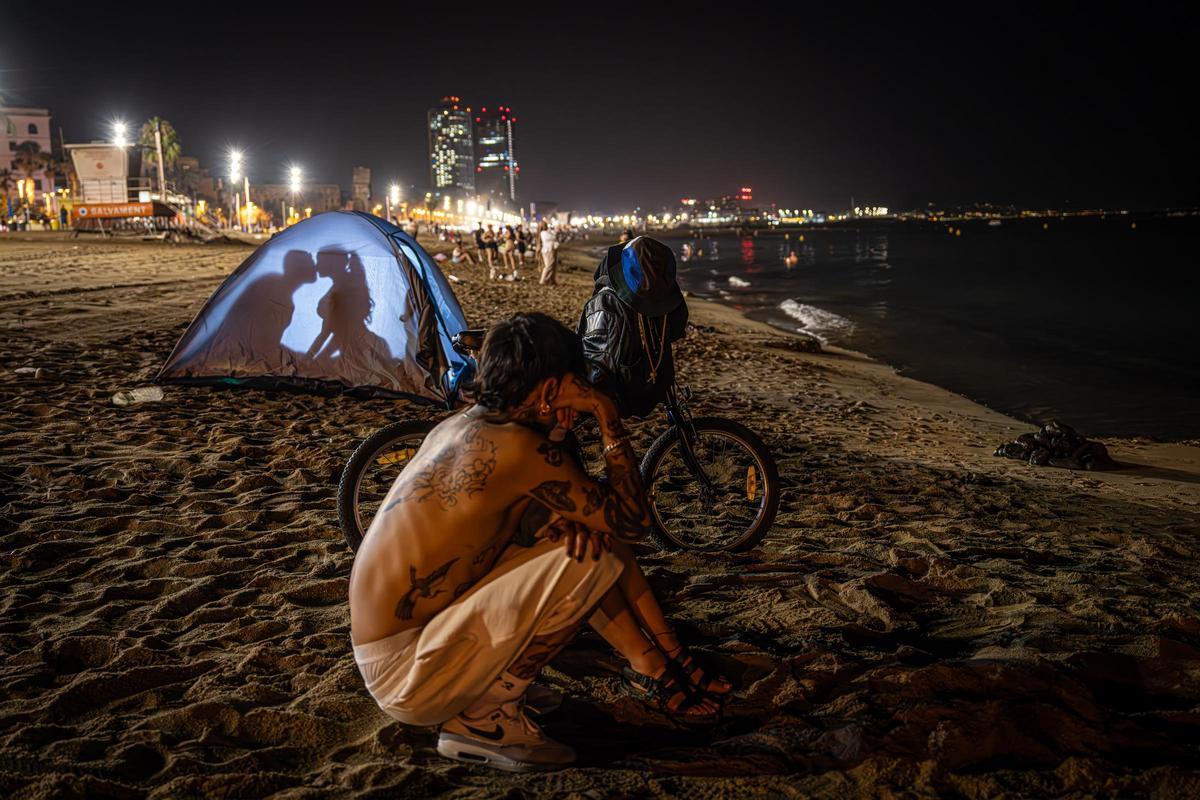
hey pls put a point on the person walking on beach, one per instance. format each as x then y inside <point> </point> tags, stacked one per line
<point>451,622</point>
<point>549,252</point>
<point>479,242</point>
<point>508,245</point>
<point>489,247</point>
<point>522,244</point>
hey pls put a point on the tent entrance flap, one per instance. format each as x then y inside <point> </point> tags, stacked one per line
<point>341,301</point>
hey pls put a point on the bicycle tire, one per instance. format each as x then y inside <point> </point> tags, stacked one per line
<point>765,518</point>
<point>352,473</point>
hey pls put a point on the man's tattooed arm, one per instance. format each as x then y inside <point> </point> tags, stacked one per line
<point>625,509</point>
<point>593,498</point>
<point>617,507</point>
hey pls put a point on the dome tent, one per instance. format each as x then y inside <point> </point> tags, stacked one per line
<point>341,302</point>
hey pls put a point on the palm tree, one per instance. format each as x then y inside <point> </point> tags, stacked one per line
<point>29,158</point>
<point>170,143</point>
<point>54,168</point>
<point>6,185</point>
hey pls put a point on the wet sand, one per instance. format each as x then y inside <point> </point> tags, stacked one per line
<point>924,619</point>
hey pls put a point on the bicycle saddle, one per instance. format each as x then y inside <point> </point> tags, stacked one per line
<point>469,341</point>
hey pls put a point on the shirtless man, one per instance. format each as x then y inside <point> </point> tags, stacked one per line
<point>451,623</point>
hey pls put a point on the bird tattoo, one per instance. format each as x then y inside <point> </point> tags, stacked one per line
<point>422,587</point>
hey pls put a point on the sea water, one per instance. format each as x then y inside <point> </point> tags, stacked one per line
<point>1092,320</point>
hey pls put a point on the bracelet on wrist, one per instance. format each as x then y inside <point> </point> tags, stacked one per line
<point>616,443</point>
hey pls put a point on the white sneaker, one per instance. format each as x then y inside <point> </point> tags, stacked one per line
<point>505,739</point>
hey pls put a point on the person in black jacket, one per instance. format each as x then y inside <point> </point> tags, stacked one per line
<point>629,323</point>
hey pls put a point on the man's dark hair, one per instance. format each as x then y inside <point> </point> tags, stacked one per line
<point>521,352</point>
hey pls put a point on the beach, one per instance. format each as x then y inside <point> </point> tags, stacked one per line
<point>924,618</point>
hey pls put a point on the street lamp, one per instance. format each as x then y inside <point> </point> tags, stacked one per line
<point>393,200</point>
<point>119,131</point>
<point>235,172</point>
<point>295,177</point>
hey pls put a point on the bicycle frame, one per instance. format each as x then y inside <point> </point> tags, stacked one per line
<point>681,419</point>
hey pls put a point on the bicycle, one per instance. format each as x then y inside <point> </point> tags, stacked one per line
<point>712,484</point>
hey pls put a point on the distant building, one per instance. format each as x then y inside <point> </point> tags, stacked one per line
<point>451,146</point>
<point>17,126</point>
<point>360,193</point>
<point>747,211</point>
<point>496,167</point>
<point>193,180</point>
<point>318,196</point>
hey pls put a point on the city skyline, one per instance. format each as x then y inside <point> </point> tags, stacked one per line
<point>472,150</point>
<point>451,146</point>
<point>931,109</point>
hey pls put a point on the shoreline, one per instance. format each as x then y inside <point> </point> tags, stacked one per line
<point>856,327</point>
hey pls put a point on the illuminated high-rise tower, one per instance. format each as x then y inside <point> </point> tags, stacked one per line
<point>451,146</point>
<point>496,167</point>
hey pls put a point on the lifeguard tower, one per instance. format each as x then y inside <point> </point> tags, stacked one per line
<point>112,203</point>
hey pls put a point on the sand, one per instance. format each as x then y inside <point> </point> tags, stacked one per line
<point>925,619</point>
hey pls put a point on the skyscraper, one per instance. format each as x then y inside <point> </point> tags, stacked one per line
<point>451,151</point>
<point>496,165</point>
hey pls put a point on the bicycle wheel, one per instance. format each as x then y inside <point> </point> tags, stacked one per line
<point>737,508</point>
<point>372,470</point>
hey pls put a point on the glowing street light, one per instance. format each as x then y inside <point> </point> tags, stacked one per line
<point>393,200</point>
<point>119,133</point>
<point>235,172</point>
<point>295,177</point>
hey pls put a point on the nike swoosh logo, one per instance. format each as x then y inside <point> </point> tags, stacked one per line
<point>495,734</point>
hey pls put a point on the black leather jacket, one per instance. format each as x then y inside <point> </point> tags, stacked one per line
<point>617,363</point>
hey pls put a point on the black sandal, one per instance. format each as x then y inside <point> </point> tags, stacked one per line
<point>658,692</point>
<point>687,665</point>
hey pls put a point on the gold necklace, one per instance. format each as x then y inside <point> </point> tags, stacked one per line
<point>662,346</point>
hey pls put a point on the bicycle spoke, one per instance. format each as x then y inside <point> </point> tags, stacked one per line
<point>701,518</point>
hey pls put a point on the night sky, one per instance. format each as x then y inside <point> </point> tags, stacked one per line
<point>945,104</point>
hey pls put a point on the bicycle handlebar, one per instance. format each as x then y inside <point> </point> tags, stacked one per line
<point>467,343</point>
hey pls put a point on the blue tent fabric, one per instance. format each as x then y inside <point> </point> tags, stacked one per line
<point>343,301</point>
<point>450,314</point>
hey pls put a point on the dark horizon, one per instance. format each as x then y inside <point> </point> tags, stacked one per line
<point>1031,108</point>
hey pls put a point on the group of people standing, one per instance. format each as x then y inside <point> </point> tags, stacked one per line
<point>506,249</point>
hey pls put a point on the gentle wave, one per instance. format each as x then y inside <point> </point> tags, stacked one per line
<point>817,322</point>
<point>741,283</point>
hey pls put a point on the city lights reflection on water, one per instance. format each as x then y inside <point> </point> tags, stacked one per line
<point>1034,324</point>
